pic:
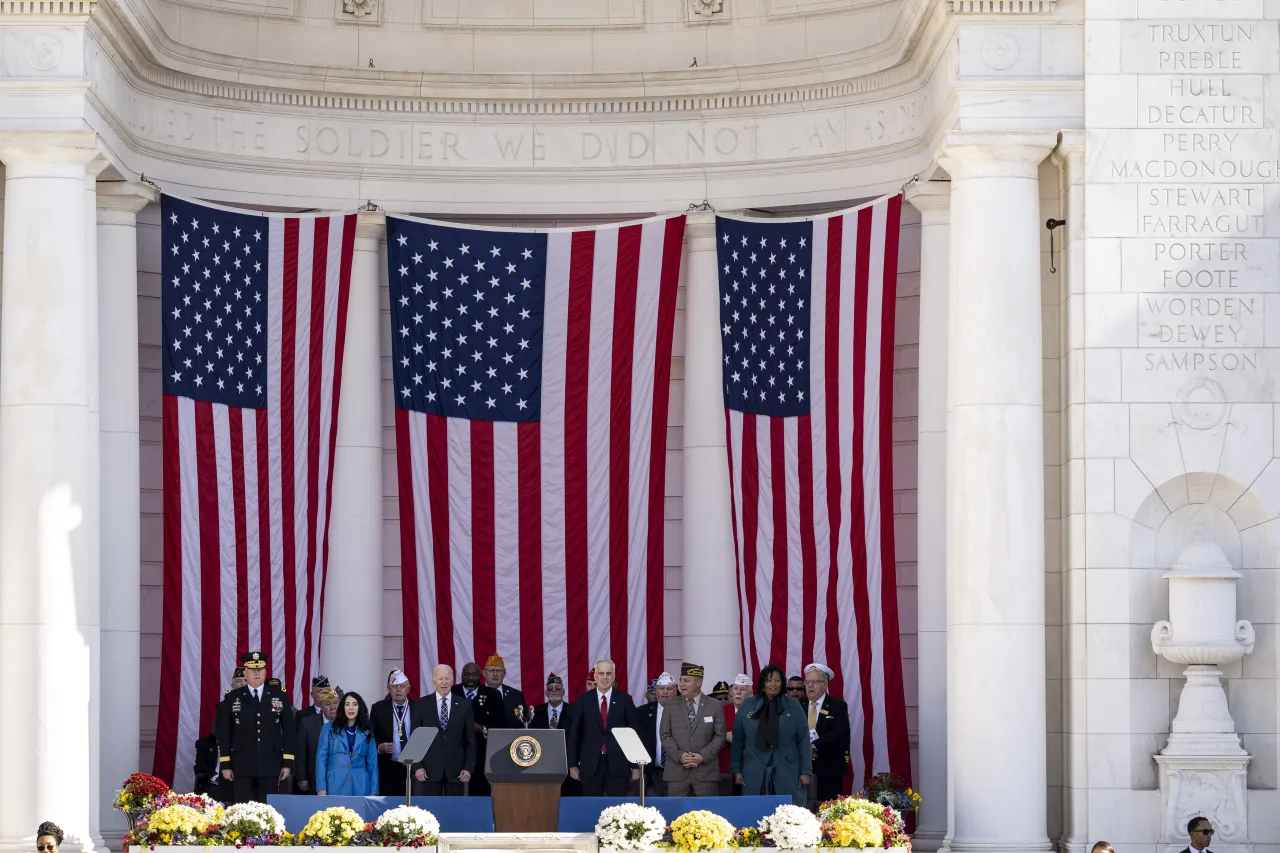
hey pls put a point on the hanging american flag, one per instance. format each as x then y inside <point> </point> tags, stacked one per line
<point>807,318</point>
<point>254,321</point>
<point>531,379</point>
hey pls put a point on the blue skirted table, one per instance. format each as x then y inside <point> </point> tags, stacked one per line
<point>475,814</point>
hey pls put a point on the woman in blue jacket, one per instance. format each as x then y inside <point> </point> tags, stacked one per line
<point>346,756</point>
<point>771,752</point>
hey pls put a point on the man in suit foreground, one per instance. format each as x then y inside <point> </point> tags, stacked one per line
<point>1200,833</point>
<point>451,759</point>
<point>692,737</point>
<point>391,721</point>
<point>828,732</point>
<point>651,714</point>
<point>308,733</point>
<point>595,758</point>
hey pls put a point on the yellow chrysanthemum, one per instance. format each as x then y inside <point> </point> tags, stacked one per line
<point>858,829</point>
<point>700,830</point>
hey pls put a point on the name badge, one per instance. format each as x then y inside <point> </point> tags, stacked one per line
<point>707,719</point>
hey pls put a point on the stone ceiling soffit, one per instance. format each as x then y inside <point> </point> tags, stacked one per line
<point>27,11</point>
<point>151,55</point>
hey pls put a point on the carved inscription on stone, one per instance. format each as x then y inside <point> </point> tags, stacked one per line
<point>1199,171</point>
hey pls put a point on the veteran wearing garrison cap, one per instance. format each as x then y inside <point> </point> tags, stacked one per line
<point>692,737</point>
<point>650,713</point>
<point>391,719</point>
<point>255,734</point>
<point>556,713</point>
<point>828,732</point>
<point>495,674</point>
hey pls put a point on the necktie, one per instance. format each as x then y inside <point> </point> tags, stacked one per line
<point>256,697</point>
<point>604,722</point>
<point>555,718</point>
<point>693,715</point>
<point>813,716</point>
<point>471,695</point>
<point>444,712</point>
<point>401,713</point>
<point>657,724</point>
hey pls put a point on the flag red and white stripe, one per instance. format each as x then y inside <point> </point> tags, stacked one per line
<point>247,490</point>
<point>813,494</point>
<point>543,541</point>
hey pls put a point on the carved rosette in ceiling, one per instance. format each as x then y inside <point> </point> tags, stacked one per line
<point>358,8</point>
<point>706,8</point>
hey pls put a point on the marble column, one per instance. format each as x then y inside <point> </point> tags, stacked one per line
<point>995,494</point>
<point>711,635</point>
<point>49,610</point>
<point>352,640</point>
<point>933,200</point>
<point>118,204</point>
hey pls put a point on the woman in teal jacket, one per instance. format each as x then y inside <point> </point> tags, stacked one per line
<point>346,756</point>
<point>771,752</point>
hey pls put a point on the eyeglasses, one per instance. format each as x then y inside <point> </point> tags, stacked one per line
<point>1203,831</point>
<point>795,688</point>
<point>46,847</point>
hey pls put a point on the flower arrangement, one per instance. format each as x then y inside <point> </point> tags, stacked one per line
<point>176,824</point>
<point>838,832</point>
<point>630,827</point>
<point>856,829</point>
<point>791,828</point>
<point>891,790</point>
<point>700,830</point>
<point>138,791</point>
<point>252,824</point>
<point>407,826</point>
<point>335,827</point>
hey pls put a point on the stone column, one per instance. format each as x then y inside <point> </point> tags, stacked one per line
<point>933,200</point>
<point>995,493</point>
<point>352,639</point>
<point>711,635</point>
<point>49,611</point>
<point>118,204</point>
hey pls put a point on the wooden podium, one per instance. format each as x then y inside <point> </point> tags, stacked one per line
<point>525,768</point>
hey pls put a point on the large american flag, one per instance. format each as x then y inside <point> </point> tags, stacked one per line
<point>531,380</point>
<point>254,321</point>
<point>807,318</point>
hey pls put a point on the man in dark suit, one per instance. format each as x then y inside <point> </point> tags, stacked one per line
<point>308,745</point>
<point>495,673</point>
<point>318,683</point>
<point>1200,833</point>
<point>692,738</point>
<point>255,734</point>
<point>650,713</point>
<point>451,760</point>
<point>556,713</point>
<point>595,759</point>
<point>488,712</point>
<point>391,721</point>
<point>828,732</point>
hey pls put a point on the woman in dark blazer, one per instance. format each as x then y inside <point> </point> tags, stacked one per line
<point>771,752</point>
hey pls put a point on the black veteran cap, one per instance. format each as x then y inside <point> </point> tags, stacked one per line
<point>694,669</point>
<point>721,689</point>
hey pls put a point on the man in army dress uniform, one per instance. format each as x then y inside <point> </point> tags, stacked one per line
<point>255,734</point>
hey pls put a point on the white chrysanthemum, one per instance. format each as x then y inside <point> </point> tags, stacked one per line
<point>253,820</point>
<point>404,824</point>
<point>792,828</point>
<point>630,827</point>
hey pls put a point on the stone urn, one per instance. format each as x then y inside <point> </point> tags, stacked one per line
<point>1203,767</point>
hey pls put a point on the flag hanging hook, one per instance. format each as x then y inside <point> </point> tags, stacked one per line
<point>1053,225</point>
<point>914,179</point>
<point>705,205</point>
<point>143,179</point>
<point>369,207</point>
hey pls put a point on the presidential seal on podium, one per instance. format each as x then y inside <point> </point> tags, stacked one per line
<point>525,751</point>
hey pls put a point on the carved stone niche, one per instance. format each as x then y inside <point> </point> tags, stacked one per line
<point>1203,767</point>
<point>705,8</point>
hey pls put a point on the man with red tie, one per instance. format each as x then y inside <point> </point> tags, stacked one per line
<point>595,759</point>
